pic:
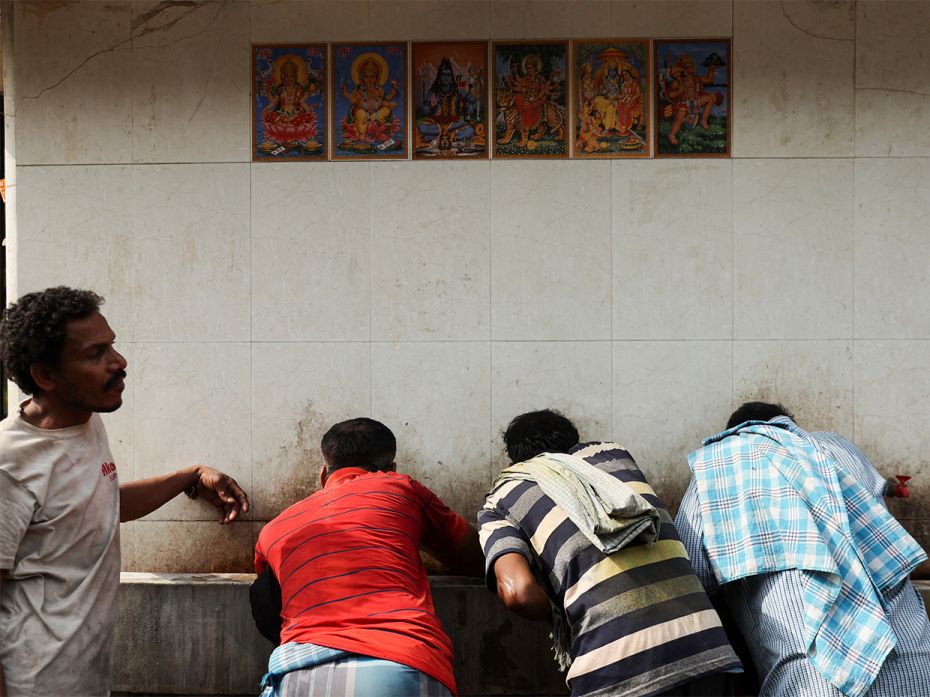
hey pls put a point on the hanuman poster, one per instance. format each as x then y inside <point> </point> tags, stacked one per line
<point>693,116</point>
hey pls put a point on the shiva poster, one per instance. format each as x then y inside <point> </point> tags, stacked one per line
<point>693,105</point>
<point>610,89</point>
<point>369,101</point>
<point>450,100</point>
<point>529,98</point>
<point>289,102</point>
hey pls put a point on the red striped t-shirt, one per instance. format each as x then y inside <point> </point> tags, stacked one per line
<point>347,558</point>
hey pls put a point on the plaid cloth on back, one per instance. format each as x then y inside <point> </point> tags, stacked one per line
<point>773,500</point>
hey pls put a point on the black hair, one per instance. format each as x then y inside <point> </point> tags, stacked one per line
<point>359,442</point>
<point>33,329</point>
<point>535,432</point>
<point>757,411</point>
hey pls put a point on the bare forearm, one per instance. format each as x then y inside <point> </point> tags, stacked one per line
<point>141,497</point>
<point>518,589</point>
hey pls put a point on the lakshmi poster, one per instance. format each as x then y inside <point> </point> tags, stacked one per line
<point>529,98</point>
<point>289,102</point>
<point>369,101</point>
<point>450,100</point>
<point>610,88</point>
<point>693,116</point>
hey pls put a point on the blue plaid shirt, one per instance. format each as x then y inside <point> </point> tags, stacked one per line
<point>798,518</point>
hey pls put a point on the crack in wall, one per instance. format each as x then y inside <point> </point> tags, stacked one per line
<point>142,22</point>
<point>916,93</point>
<point>784,11</point>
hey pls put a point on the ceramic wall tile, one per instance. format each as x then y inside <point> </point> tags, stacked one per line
<point>813,380</point>
<point>673,271</point>
<point>190,82</point>
<point>73,77</point>
<point>439,20</point>
<point>311,252</point>
<point>75,229</point>
<point>672,18</point>
<point>892,248</point>
<point>299,390</point>
<point>550,250</point>
<point>191,252</point>
<point>667,397</point>
<point>892,84</point>
<point>192,406</point>
<point>549,19</point>
<point>431,257</point>
<point>893,407</point>
<point>793,79</point>
<point>187,547</point>
<point>572,377</point>
<point>435,397</point>
<point>793,249</point>
<point>305,21</point>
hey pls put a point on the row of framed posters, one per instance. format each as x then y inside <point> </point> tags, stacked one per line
<point>526,99</point>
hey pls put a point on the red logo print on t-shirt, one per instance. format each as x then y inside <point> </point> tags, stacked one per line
<point>108,470</point>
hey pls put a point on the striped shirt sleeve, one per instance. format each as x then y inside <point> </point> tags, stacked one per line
<point>498,536</point>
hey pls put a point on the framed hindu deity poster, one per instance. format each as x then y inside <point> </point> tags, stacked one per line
<point>450,100</point>
<point>530,98</point>
<point>288,102</point>
<point>610,93</point>
<point>693,106</point>
<point>369,83</point>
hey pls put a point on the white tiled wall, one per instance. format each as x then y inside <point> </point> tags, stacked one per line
<point>259,303</point>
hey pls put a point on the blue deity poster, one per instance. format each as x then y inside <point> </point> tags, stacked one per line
<point>369,101</point>
<point>289,102</point>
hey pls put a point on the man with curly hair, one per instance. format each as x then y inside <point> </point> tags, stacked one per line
<point>60,498</point>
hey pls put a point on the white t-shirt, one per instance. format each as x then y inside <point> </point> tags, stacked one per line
<point>59,558</point>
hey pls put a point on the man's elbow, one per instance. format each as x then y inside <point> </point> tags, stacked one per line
<point>529,602</point>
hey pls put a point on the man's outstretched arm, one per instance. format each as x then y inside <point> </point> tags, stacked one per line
<point>465,558</point>
<point>141,497</point>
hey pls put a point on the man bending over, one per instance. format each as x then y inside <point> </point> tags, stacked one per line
<point>574,532</point>
<point>791,529</point>
<point>356,609</point>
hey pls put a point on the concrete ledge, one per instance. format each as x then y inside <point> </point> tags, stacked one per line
<point>192,634</point>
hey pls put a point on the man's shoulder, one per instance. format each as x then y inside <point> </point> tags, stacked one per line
<point>23,451</point>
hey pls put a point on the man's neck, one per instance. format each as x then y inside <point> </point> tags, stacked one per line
<point>39,412</point>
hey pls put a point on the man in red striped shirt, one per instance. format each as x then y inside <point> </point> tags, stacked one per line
<point>356,609</point>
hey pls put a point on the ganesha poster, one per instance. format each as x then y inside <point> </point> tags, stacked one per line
<point>610,90</point>
<point>693,114</point>
<point>369,83</point>
<point>289,102</point>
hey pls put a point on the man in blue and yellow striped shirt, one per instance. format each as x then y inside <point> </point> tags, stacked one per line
<point>637,620</point>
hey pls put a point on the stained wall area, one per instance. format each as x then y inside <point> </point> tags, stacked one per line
<point>259,303</point>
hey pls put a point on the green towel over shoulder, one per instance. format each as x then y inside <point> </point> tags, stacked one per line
<point>607,511</point>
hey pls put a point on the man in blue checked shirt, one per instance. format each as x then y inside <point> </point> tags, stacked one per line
<point>790,527</point>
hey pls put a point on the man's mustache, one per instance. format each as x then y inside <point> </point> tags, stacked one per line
<point>118,375</point>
